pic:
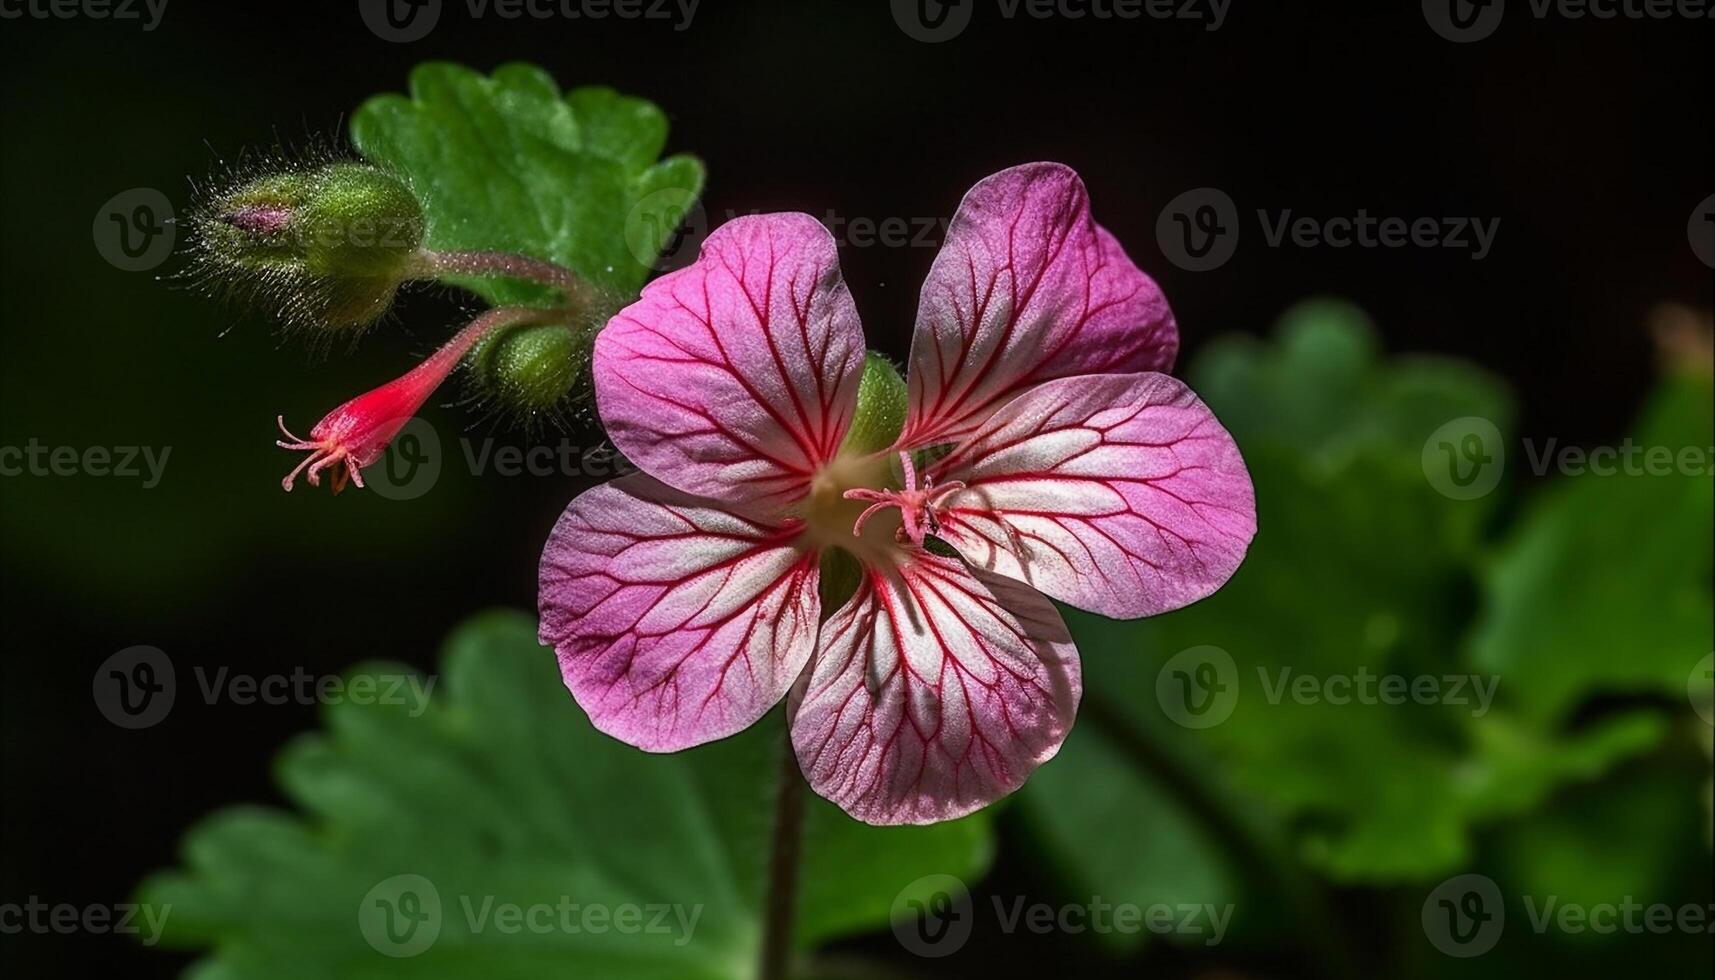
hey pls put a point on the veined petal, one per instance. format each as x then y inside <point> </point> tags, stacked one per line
<point>936,690</point>
<point>735,378</point>
<point>1026,289</point>
<point>676,621</point>
<point>1121,494</point>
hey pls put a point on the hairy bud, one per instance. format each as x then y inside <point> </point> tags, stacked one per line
<point>530,372</point>
<point>540,371</point>
<point>329,246</point>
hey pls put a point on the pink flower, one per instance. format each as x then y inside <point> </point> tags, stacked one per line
<point>684,601</point>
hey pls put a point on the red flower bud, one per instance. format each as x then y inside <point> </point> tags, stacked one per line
<point>355,434</point>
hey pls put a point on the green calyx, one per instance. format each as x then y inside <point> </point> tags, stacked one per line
<point>880,411</point>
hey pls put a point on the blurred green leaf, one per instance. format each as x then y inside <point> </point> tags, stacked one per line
<point>498,793</point>
<point>506,163</point>
<point>1361,570</point>
<point>1626,838</point>
<point>1118,832</point>
<point>1604,586</point>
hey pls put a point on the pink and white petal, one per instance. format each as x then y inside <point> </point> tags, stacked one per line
<point>935,691</point>
<point>676,621</point>
<point>736,377</point>
<point>1026,289</point>
<point>1121,494</point>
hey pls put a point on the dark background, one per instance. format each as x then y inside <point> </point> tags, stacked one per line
<point>1582,137</point>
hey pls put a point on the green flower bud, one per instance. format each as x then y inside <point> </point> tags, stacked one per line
<point>880,411</point>
<point>329,245</point>
<point>533,370</point>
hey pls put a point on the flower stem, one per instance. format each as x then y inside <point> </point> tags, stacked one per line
<point>443,359</point>
<point>781,900</point>
<point>503,264</point>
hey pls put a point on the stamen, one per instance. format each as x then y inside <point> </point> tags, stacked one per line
<point>917,504</point>
<point>910,471</point>
<point>298,442</point>
<point>292,477</point>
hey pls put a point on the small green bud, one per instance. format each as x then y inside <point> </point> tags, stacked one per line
<point>329,245</point>
<point>532,370</point>
<point>880,411</point>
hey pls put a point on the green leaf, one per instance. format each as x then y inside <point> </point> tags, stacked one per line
<point>1604,587</point>
<point>498,793</point>
<point>1117,832</point>
<point>1360,569</point>
<point>506,163</point>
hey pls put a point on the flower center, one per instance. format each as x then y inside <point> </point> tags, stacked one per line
<point>843,524</point>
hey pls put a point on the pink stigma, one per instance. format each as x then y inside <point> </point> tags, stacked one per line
<point>918,508</point>
<point>260,219</point>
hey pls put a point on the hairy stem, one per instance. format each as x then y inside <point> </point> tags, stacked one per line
<point>490,320</point>
<point>781,901</point>
<point>503,264</point>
